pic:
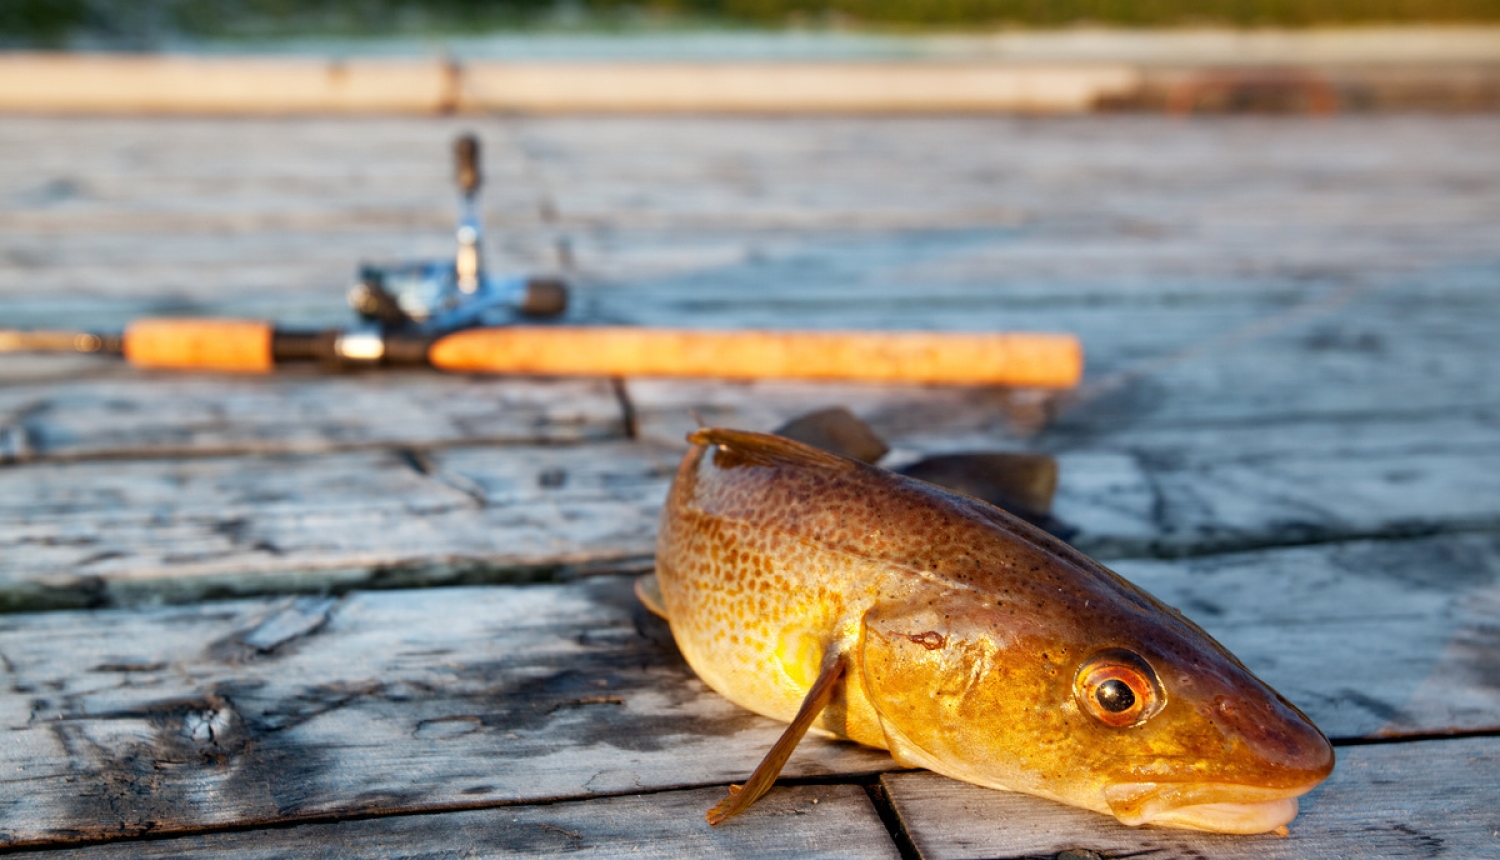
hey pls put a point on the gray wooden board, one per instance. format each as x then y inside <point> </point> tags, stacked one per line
<point>143,530</point>
<point>795,822</point>
<point>127,413</point>
<point>1423,799</point>
<point>123,531</point>
<point>910,216</point>
<point>246,712</point>
<point>77,533</point>
<point>736,171</point>
<point>242,713</point>
<point>1139,484</point>
<point>1263,486</point>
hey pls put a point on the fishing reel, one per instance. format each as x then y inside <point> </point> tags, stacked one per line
<point>430,297</point>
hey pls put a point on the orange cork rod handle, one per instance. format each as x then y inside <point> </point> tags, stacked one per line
<point>1001,358</point>
<point>200,344</point>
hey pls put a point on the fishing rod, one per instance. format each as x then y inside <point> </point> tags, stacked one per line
<point>1032,359</point>
<point>439,314</point>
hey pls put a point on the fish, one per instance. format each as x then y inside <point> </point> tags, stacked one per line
<point>840,597</point>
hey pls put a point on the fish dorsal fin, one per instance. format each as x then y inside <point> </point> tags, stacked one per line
<point>743,447</point>
<point>648,591</point>
<point>1017,481</point>
<point>741,796</point>
<point>838,431</point>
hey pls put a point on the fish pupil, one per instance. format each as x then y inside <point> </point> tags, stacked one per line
<point>1115,696</point>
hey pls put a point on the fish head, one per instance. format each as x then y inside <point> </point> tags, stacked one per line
<point>1123,707</point>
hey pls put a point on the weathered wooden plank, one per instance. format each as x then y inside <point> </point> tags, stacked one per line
<point>1418,799</point>
<point>242,713</point>
<point>1164,203</point>
<point>299,159</point>
<point>1135,482</point>
<point>123,722</point>
<point>1316,483</point>
<point>77,533</point>
<point>124,413</point>
<point>82,533</point>
<point>795,822</point>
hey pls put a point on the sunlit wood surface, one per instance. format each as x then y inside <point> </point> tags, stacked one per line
<point>389,613</point>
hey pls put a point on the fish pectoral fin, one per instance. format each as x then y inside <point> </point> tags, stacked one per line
<point>741,796</point>
<point>648,592</point>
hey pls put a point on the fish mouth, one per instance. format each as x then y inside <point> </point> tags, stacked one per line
<point>1214,807</point>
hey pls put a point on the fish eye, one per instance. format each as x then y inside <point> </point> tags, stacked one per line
<point>1118,688</point>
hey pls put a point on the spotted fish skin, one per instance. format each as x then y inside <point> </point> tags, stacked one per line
<point>962,634</point>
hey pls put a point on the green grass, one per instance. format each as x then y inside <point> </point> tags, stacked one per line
<point>44,23</point>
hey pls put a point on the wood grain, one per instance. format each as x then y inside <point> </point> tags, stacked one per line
<point>1422,799</point>
<point>797,822</point>
<point>255,712</point>
<point>907,213</point>
<point>95,410</point>
<point>179,529</point>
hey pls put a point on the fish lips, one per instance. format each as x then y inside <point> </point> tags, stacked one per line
<point>1214,807</point>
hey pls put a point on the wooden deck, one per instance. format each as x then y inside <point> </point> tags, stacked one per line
<point>390,613</point>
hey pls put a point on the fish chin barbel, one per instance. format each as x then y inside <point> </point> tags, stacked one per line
<point>964,641</point>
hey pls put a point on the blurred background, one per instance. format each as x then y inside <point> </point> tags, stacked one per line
<point>169,23</point>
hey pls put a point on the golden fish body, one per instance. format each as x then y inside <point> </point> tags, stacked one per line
<point>806,586</point>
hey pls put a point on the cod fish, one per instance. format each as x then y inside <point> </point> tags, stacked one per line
<point>818,590</point>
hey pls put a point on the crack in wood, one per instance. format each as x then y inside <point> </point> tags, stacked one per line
<point>422,463</point>
<point>291,620</point>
